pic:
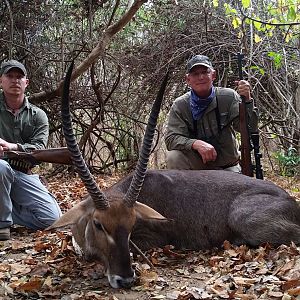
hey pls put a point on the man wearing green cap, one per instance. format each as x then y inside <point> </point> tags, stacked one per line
<point>202,123</point>
<point>24,200</point>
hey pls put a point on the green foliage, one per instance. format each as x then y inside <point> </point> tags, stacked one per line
<point>282,13</point>
<point>215,3</point>
<point>291,15</point>
<point>277,59</point>
<point>246,3</point>
<point>289,163</point>
<point>257,68</point>
<point>229,10</point>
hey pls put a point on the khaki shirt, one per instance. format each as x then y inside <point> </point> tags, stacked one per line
<point>29,129</point>
<point>217,125</point>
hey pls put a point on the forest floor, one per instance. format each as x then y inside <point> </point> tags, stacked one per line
<point>43,265</point>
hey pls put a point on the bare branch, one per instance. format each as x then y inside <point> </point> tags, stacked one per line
<point>97,52</point>
<point>268,23</point>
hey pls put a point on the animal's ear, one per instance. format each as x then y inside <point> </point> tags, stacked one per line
<point>146,212</point>
<point>70,217</point>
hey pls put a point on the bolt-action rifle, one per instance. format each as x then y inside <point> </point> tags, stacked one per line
<point>24,161</point>
<point>249,140</point>
<point>246,147</point>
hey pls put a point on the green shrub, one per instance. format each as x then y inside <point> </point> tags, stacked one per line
<point>289,163</point>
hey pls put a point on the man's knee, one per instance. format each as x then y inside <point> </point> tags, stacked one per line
<point>6,172</point>
<point>177,160</point>
<point>44,218</point>
<point>49,215</point>
<point>187,160</point>
<point>4,167</point>
<point>49,220</point>
<point>236,169</point>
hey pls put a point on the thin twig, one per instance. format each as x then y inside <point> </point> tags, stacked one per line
<point>142,254</point>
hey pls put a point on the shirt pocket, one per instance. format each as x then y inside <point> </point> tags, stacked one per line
<point>209,126</point>
<point>27,132</point>
<point>223,119</point>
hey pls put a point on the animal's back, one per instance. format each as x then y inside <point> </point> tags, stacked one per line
<point>207,207</point>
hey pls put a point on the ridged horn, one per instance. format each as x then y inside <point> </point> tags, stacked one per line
<point>141,168</point>
<point>81,168</point>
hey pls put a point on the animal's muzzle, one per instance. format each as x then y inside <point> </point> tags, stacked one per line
<point>118,282</point>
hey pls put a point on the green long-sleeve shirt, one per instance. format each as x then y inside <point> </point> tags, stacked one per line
<point>217,126</point>
<point>29,129</point>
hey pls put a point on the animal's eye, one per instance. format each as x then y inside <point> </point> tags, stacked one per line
<point>98,225</point>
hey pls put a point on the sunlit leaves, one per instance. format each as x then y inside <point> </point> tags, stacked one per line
<point>215,3</point>
<point>236,22</point>
<point>246,3</point>
<point>268,26</point>
<point>257,25</point>
<point>291,15</point>
<point>257,38</point>
<point>277,59</point>
<point>288,37</point>
<point>274,14</point>
<point>260,70</point>
<point>229,10</point>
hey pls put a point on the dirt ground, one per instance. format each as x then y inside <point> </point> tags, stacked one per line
<point>43,265</point>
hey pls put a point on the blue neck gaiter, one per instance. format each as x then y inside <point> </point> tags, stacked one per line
<point>199,105</point>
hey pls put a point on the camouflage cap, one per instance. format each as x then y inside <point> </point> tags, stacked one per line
<point>8,65</point>
<point>199,60</point>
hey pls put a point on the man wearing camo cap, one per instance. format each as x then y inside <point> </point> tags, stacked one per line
<point>24,200</point>
<point>202,122</point>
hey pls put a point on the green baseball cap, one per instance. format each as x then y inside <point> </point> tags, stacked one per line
<point>199,60</point>
<point>8,65</point>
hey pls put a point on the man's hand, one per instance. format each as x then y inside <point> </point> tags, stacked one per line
<point>243,88</point>
<point>5,146</point>
<point>206,150</point>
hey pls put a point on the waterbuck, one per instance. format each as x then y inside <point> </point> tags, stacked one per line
<point>188,209</point>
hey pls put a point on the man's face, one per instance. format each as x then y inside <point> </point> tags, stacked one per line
<point>14,82</point>
<point>200,79</point>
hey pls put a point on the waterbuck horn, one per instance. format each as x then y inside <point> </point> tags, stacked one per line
<point>141,168</point>
<point>98,197</point>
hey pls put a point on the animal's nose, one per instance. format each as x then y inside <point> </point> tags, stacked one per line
<point>125,283</point>
<point>117,281</point>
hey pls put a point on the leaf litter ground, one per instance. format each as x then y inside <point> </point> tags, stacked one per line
<point>43,265</point>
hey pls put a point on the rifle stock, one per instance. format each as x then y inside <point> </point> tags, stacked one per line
<point>246,162</point>
<point>52,155</point>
